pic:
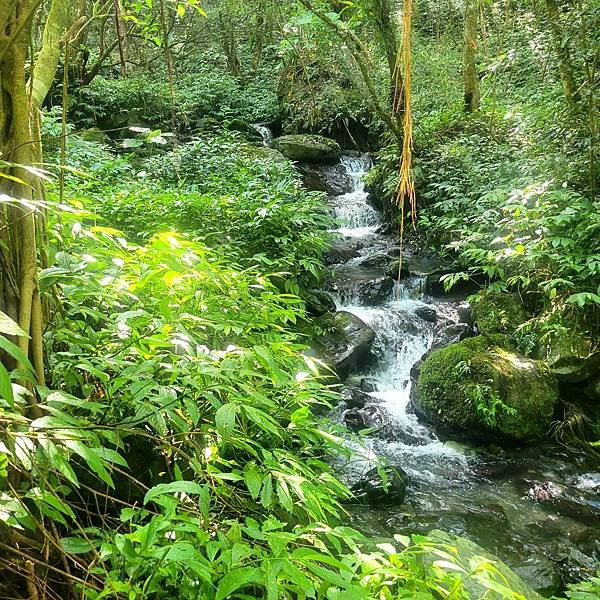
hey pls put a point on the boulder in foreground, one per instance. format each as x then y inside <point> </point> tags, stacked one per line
<point>482,391</point>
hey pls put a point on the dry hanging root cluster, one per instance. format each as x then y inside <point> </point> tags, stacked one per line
<point>405,191</point>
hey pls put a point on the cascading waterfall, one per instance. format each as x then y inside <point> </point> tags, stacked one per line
<point>357,217</point>
<point>454,486</point>
<point>265,132</point>
<point>401,337</point>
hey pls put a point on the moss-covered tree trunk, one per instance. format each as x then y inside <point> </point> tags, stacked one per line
<point>471,77</point>
<point>384,21</point>
<point>21,218</point>
<point>561,47</point>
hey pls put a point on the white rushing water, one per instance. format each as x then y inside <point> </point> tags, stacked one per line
<point>265,132</point>
<point>401,339</point>
<point>357,217</point>
<point>487,495</point>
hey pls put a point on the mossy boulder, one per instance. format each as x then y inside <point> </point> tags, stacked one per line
<point>466,554</point>
<point>570,355</point>
<point>248,131</point>
<point>480,390</point>
<point>318,303</point>
<point>308,148</point>
<point>499,313</point>
<point>93,134</point>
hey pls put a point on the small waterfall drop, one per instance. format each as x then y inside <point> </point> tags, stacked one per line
<point>353,211</point>
<point>265,132</point>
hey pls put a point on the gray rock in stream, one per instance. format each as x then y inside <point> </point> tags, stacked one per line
<point>373,490</point>
<point>347,346</point>
<point>318,303</point>
<point>355,397</point>
<point>572,565</point>
<point>343,252</point>
<point>578,504</point>
<point>375,291</point>
<point>368,384</point>
<point>427,313</point>
<point>463,552</point>
<point>541,573</point>
<point>333,180</point>
<point>308,148</point>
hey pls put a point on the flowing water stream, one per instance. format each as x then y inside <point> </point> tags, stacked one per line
<point>537,508</point>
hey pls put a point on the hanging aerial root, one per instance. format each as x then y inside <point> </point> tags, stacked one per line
<point>405,190</point>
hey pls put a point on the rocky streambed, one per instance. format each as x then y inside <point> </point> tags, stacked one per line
<point>537,507</point>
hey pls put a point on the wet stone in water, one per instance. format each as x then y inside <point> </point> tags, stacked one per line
<point>354,397</point>
<point>372,489</point>
<point>427,313</point>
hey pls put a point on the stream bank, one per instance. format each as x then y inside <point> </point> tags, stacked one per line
<point>537,508</point>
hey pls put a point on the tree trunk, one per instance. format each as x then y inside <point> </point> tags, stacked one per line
<point>21,219</point>
<point>471,77</point>
<point>562,50</point>
<point>121,36</point>
<point>381,13</point>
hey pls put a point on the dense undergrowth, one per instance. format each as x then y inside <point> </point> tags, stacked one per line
<point>508,192</point>
<point>177,450</point>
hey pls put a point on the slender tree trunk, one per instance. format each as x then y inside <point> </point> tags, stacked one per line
<point>121,36</point>
<point>383,20</point>
<point>562,51</point>
<point>21,219</point>
<point>471,77</point>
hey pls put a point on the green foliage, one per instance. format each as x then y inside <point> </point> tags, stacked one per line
<point>587,590</point>
<point>224,192</point>
<point>209,92</point>
<point>498,313</point>
<point>179,353</point>
<point>320,87</point>
<point>488,404</point>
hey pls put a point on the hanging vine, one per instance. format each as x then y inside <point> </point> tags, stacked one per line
<point>405,191</point>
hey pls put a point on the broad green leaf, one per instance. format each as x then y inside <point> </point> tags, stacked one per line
<point>176,487</point>
<point>9,327</point>
<point>253,479</point>
<point>225,419</point>
<point>238,579</point>
<point>74,545</point>
<point>6,390</point>
<point>14,351</point>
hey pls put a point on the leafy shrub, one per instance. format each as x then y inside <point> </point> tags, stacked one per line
<point>171,346</point>
<point>226,193</point>
<point>208,92</point>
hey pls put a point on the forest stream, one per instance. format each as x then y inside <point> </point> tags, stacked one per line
<point>536,508</point>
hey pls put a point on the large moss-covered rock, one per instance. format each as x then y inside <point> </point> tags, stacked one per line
<point>333,180</point>
<point>570,356</point>
<point>248,131</point>
<point>566,345</point>
<point>483,391</point>
<point>499,313</point>
<point>263,153</point>
<point>308,148</point>
<point>467,554</point>
<point>93,134</point>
